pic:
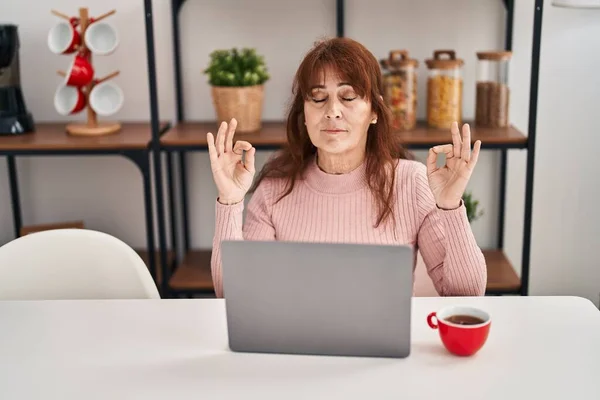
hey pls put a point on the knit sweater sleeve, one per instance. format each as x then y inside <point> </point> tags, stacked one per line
<point>453,259</point>
<point>229,225</point>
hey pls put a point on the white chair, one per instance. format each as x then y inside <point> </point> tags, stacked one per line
<point>72,264</point>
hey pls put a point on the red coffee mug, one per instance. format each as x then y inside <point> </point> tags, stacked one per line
<point>80,73</point>
<point>463,330</point>
<point>75,20</point>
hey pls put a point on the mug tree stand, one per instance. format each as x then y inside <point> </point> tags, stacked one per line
<point>90,127</point>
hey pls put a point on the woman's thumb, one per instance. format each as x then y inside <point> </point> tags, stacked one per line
<point>249,160</point>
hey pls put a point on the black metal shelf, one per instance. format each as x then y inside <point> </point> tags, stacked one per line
<point>180,150</point>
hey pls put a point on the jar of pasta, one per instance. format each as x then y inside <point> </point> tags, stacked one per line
<point>492,95</point>
<point>400,88</point>
<point>444,89</point>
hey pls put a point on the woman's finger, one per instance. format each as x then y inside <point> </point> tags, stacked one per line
<point>221,138</point>
<point>475,154</point>
<point>241,146</point>
<point>447,149</point>
<point>212,150</point>
<point>466,143</point>
<point>455,140</point>
<point>433,155</point>
<point>431,161</point>
<point>230,133</point>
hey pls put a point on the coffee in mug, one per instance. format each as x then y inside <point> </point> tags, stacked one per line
<point>464,319</point>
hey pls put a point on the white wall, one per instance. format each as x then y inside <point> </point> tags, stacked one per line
<point>566,218</point>
<point>283,32</point>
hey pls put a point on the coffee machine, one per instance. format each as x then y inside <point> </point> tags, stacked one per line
<point>14,117</point>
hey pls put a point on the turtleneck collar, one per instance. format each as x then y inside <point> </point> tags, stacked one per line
<point>323,182</point>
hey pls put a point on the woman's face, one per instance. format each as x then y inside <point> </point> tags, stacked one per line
<point>337,119</point>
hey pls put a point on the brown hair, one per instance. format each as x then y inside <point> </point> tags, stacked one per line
<point>357,65</point>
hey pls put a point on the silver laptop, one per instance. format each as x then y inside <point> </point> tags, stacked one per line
<point>318,299</point>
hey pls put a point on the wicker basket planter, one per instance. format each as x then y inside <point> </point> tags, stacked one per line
<point>237,78</point>
<point>244,103</point>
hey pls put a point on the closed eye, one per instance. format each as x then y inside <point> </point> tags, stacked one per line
<point>343,98</point>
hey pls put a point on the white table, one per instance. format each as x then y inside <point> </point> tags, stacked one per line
<point>539,348</point>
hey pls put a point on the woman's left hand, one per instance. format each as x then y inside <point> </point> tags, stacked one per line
<point>448,183</point>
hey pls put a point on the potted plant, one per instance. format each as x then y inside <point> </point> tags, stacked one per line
<point>237,77</point>
<point>471,205</point>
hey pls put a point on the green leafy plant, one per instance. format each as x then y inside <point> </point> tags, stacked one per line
<point>471,205</point>
<point>236,67</point>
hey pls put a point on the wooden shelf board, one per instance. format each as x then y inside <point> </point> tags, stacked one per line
<point>53,137</point>
<point>272,133</point>
<point>144,254</point>
<point>193,134</point>
<point>194,272</point>
<point>501,274</point>
<point>423,135</point>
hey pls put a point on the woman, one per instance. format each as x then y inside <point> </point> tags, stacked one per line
<point>343,178</point>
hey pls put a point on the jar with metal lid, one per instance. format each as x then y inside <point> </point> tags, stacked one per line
<point>400,88</point>
<point>444,89</point>
<point>492,95</point>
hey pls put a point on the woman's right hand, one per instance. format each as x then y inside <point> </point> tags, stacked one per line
<point>232,176</point>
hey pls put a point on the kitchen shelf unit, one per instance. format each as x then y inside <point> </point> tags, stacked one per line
<point>51,139</point>
<point>192,273</point>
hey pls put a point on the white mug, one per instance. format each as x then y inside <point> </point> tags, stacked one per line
<point>63,38</point>
<point>101,38</point>
<point>106,98</point>
<point>69,100</point>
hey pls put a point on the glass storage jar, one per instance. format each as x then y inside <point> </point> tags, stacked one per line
<point>444,89</point>
<point>492,95</point>
<point>400,88</point>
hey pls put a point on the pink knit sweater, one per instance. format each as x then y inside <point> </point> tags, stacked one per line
<point>339,208</point>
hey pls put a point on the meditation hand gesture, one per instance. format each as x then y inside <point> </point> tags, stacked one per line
<point>448,183</point>
<point>233,176</point>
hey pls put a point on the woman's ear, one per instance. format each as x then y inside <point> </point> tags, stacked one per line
<point>374,115</point>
